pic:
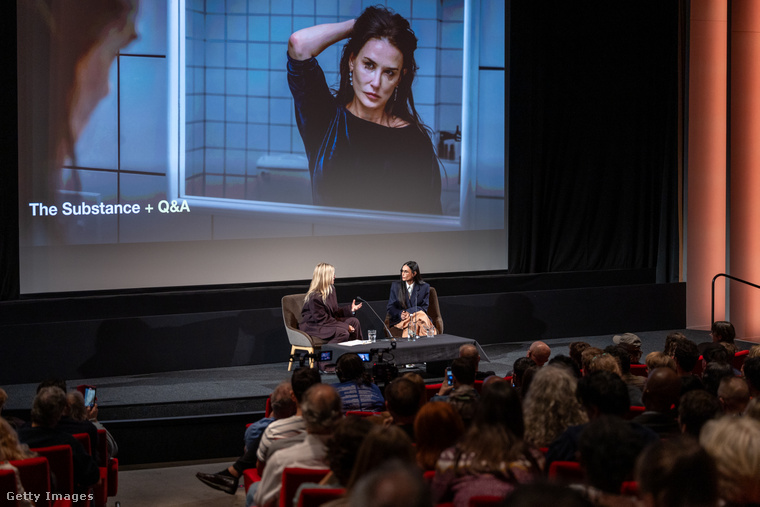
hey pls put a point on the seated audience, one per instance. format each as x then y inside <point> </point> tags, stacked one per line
<point>321,410</point>
<point>11,449</point>
<point>15,422</point>
<point>420,382</point>
<point>723,332</point>
<point>686,356</point>
<point>670,342</point>
<point>542,492</point>
<point>624,359</point>
<point>492,457</point>
<point>677,473</point>
<point>521,365</point>
<point>282,404</point>
<point>437,426</point>
<point>79,412</point>
<point>659,359</point>
<point>662,391</point>
<point>74,421</point>
<point>631,344</point>
<point>576,351</point>
<point>355,388</point>
<point>610,363</point>
<point>734,444</point>
<point>562,360</point>
<point>402,399</point>
<point>551,406</point>
<point>471,351</point>
<point>733,394</point>
<point>695,408</point>
<point>589,355</point>
<point>393,484</point>
<point>754,351</point>
<point>712,375</point>
<point>751,371</point>
<point>279,433</point>
<point>539,352</point>
<point>47,409</point>
<point>462,394</point>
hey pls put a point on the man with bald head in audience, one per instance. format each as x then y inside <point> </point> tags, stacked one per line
<point>539,352</point>
<point>733,394</point>
<point>661,392</point>
<point>471,351</point>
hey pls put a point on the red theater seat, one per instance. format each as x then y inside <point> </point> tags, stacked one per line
<point>293,477</point>
<point>314,497</point>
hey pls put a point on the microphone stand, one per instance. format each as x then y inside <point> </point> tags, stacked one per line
<point>390,335</point>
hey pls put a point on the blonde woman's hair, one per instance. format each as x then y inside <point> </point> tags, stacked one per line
<point>754,351</point>
<point>551,405</point>
<point>321,281</point>
<point>659,359</point>
<point>10,448</point>
<point>734,444</point>
<point>605,362</point>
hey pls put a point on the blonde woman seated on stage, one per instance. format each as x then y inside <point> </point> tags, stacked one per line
<point>409,301</point>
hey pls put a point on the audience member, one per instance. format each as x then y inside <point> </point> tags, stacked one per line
<point>753,409</point>
<point>74,421</point>
<point>754,351</point>
<point>518,372</point>
<point>624,360</point>
<point>631,344</point>
<point>539,352</point>
<point>659,359</point>
<point>670,342</point>
<point>608,448</point>
<point>11,449</point>
<point>47,409</point>
<point>437,426</point>
<point>686,356</point>
<point>662,391</point>
<point>471,351</point>
<point>589,355</point>
<point>402,399</point>
<point>527,380</point>
<point>610,363</point>
<point>723,332</point>
<point>462,394</point>
<point>355,388</point>
<point>567,362</point>
<point>277,434</point>
<point>15,422</point>
<point>551,406</point>
<point>321,410</point>
<point>733,394</point>
<point>282,404</point>
<point>393,484</point>
<point>751,371</point>
<point>576,350</point>
<point>734,444</point>
<point>676,473</point>
<point>714,373</point>
<point>420,382</point>
<point>492,457</point>
<point>695,408</point>
<point>79,412</point>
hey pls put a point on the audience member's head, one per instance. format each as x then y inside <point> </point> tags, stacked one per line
<point>753,409</point>
<point>542,492</point>
<point>350,367</point>
<point>659,359</point>
<point>283,401</point>
<point>3,399</point>
<point>576,349</point>
<point>539,352</point>
<point>437,426</point>
<point>608,448</point>
<point>343,446</point>
<point>77,410</point>
<point>686,355</point>
<point>518,371</point>
<point>631,344</point>
<point>723,331</point>
<point>588,355</point>
<point>695,408</point>
<point>48,406</point>
<point>714,373</point>
<point>754,351</point>
<point>567,362</point>
<point>751,370</point>
<point>420,382</point>
<point>10,448</point>
<point>670,342</point>
<point>402,398</point>
<point>603,392</point>
<point>734,444</point>
<point>302,379</point>
<point>622,356</point>
<point>551,406</point>
<point>53,382</point>
<point>321,408</point>
<point>605,362</point>
<point>393,484</point>
<point>381,444</point>
<point>527,380</point>
<point>662,390</point>
<point>733,394</point>
<point>470,351</point>
<point>715,353</point>
<point>463,370</point>
<point>677,473</point>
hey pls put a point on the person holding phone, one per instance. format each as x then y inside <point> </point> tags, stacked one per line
<point>366,142</point>
<point>409,302</point>
<point>321,317</point>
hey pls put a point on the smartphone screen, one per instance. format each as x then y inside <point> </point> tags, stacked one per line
<point>449,377</point>
<point>89,396</point>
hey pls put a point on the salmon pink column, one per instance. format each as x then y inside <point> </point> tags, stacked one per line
<point>706,180</point>
<point>745,168</point>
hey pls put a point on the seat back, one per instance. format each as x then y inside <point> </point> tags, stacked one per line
<point>568,472</point>
<point>738,360</point>
<point>84,439</point>
<point>35,477</point>
<point>293,477</point>
<point>639,370</point>
<point>8,486</point>
<point>362,413</point>
<point>102,448</point>
<point>634,411</point>
<point>486,501</point>
<point>61,464</point>
<point>434,311</point>
<point>291,311</point>
<point>314,497</point>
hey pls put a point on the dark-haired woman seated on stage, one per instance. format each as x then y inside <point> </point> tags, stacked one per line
<point>321,316</point>
<point>409,301</point>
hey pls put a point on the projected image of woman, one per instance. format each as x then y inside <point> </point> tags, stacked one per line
<point>366,145</point>
<point>409,301</point>
<point>321,317</point>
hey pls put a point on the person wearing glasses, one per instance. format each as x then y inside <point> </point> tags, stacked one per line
<point>408,303</point>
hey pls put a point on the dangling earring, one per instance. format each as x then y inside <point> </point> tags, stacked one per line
<point>350,78</point>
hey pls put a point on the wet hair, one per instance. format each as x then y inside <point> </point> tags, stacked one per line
<point>377,22</point>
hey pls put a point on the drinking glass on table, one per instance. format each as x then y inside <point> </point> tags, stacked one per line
<point>372,333</point>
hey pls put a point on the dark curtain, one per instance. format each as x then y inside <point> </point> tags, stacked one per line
<point>593,143</point>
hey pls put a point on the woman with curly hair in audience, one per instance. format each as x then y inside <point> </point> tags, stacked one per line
<point>492,456</point>
<point>551,405</point>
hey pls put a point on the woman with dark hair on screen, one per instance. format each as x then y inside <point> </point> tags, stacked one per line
<point>366,141</point>
<point>409,302</point>
<point>321,317</point>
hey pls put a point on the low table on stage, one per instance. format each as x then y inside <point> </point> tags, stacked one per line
<point>437,351</point>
